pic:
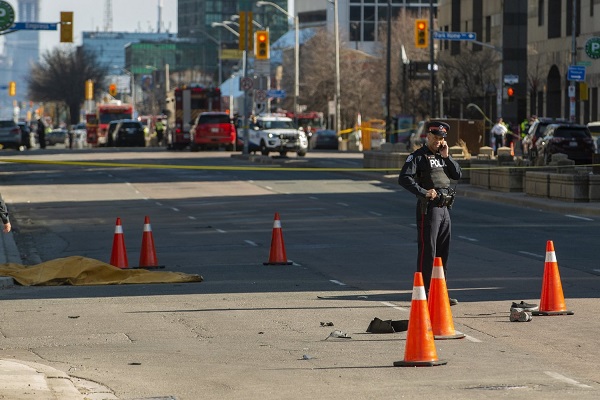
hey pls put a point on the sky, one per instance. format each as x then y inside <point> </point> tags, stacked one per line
<point>88,15</point>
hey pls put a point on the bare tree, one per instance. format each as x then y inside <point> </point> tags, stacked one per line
<point>60,77</point>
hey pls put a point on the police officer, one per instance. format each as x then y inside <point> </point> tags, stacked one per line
<point>427,174</point>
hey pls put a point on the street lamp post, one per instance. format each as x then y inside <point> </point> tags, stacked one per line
<point>296,53</point>
<point>224,25</point>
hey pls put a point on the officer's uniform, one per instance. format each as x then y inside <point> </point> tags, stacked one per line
<point>422,171</point>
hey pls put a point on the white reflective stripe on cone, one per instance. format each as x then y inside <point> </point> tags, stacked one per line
<point>550,256</point>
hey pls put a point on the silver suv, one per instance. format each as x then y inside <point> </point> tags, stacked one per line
<point>274,132</point>
<point>11,135</point>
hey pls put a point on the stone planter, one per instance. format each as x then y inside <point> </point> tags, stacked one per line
<point>536,184</point>
<point>380,159</point>
<point>480,177</point>
<point>569,187</point>
<point>594,186</point>
<point>506,179</point>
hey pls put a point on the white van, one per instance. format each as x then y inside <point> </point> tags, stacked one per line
<point>594,128</point>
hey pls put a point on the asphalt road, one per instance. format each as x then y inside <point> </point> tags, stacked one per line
<point>254,331</point>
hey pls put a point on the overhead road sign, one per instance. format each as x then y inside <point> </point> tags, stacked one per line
<point>442,35</point>
<point>576,73</point>
<point>35,26</point>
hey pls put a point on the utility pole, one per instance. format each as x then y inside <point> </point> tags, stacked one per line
<point>572,90</point>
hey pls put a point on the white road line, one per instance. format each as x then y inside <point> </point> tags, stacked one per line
<point>158,203</point>
<point>596,270</point>
<point>531,254</point>
<point>470,338</point>
<point>564,379</point>
<point>342,204</point>
<point>313,198</point>
<point>191,217</point>
<point>468,238</point>
<point>221,231</point>
<point>578,217</point>
<point>337,282</point>
<point>375,213</point>
<point>251,243</point>
<point>174,208</point>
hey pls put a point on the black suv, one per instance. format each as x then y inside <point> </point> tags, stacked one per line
<point>571,139</point>
<point>126,132</point>
<point>535,132</point>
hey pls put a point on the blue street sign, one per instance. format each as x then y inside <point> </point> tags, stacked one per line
<point>35,26</point>
<point>277,94</point>
<point>576,73</point>
<point>442,35</point>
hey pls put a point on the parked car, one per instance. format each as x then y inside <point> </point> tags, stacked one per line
<point>324,139</point>
<point>213,130</point>
<point>27,139</point>
<point>536,131</point>
<point>56,136</point>
<point>11,135</point>
<point>594,128</point>
<point>126,132</point>
<point>571,139</point>
<point>78,134</point>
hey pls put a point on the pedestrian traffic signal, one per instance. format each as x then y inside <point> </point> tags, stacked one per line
<point>66,27</point>
<point>510,93</point>
<point>89,89</point>
<point>261,45</point>
<point>421,34</point>
<point>112,89</point>
<point>12,88</point>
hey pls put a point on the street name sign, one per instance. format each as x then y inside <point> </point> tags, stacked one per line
<point>276,93</point>
<point>35,26</point>
<point>443,35</point>
<point>576,73</point>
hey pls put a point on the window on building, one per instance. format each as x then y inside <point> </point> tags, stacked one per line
<point>355,23</point>
<point>488,29</point>
<point>541,12</point>
<point>554,21</point>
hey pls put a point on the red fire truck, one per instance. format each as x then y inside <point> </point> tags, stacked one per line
<point>190,101</point>
<point>105,113</point>
<point>312,119</point>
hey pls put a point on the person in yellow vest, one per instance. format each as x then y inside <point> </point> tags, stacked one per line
<point>160,129</point>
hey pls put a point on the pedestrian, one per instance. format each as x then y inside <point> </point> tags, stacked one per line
<point>427,173</point>
<point>4,216</point>
<point>41,132</point>
<point>499,131</point>
<point>160,129</point>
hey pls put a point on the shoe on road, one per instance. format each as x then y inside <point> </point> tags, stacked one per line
<point>520,315</point>
<point>453,302</point>
<point>525,306</point>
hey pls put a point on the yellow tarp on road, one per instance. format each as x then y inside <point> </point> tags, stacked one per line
<point>80,271</point>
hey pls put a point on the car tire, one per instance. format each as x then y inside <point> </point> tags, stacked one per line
<point>301,153</point>
<point>263,148</point>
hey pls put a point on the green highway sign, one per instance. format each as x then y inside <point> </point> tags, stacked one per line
<point>7,15</point>
<point>592,47</point>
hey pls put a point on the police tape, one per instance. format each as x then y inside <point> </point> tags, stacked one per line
<point>273,167</point>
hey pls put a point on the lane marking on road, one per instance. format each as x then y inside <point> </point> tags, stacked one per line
<point>174,208</point>
<point>221,231</point>
<point>468,238</point>
<point>251,243</point>
<point>337,282</point>
<point>564,379</point>
<point>313,198</point>
<point>158,203</point>
<point>578,217</point>
<point>375,213</point>
<point>532,254</point>
<point>191,217</point>
<point>342,204</point>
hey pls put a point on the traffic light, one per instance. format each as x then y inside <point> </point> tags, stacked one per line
<point>112,89</point>
<point>510,93</point>
<point>66,27</point>
<point>261,45</point>
<point>12,88</point>
<point>421,34</point>
<point>89,89</point>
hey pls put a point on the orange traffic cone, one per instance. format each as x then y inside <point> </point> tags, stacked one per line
<point>420,348</point>
<point>277,255</point>
<point>118,258</point>
<point>439,305</point>
<point>148,252</point>
<point>552,301</point>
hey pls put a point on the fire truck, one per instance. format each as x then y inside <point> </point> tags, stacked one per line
<point>308,119</point>
<point>189,102</point>
<point>105,113</point>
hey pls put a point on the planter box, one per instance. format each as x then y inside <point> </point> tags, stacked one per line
<point>594,182</point>
<point>569,187</point>
<point>380,159</point>
<point>480,178</point>
<point>506,179</point>
<point>536,184</point>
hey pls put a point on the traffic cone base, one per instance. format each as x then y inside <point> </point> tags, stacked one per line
<point>420,347</point>
<point>439,305</point>
<point>277,254</point>
<point>552,300</point>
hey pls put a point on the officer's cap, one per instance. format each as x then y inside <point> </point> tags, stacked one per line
<point>438,128</point>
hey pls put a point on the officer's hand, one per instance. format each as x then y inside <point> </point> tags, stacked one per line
<point>444,149</point>
<point>431,194</point>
